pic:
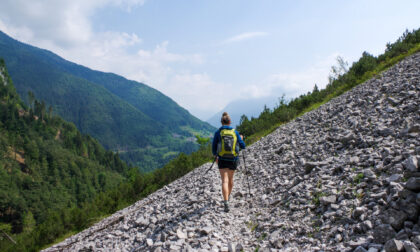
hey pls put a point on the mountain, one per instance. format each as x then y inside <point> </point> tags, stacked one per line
<point>46,164</point>
<point>250,107</point>
<point>146,127</point>
<point>343,177</point>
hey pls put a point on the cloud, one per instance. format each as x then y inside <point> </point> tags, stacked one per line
<point>201,95</point>
<point>244,36</point>
<point>292,84</point>
<point>63,24</point>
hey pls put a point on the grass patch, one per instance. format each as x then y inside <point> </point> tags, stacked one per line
<point>358,178</point>
<point>170,153</point>
<point>316,197</point>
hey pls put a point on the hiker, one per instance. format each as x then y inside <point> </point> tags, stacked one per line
<point>225,147</point>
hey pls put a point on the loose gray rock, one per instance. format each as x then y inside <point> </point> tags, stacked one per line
<point>383,233</point>
<point>360,249</point>
<point>395,218</point>
<point>149,242</point>
<point>393,246</point>
<point>418,199</point>
<point>410,247</point>
<point>413,184</point>
<point>344,176</point>
<point>411,164</point>
<point>326,200</point>
<point>416,240</point>
<point>180,234</point>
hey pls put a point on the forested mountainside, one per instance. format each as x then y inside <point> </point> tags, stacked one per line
<point>54,181</point>
<point>343,177</point>
<point>46,164</point>
<point>146,127</point>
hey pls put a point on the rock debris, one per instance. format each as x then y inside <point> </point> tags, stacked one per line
<point>344,177</point>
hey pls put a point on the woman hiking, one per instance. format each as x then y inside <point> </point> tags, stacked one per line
<point>225,147</point>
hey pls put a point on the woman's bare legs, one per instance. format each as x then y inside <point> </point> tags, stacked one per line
<point>227,182</point>
<point>230,176</point>
<point>224,174</point>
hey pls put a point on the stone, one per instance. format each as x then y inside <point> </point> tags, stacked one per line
<point>410,247</point>
<point>141,222</point>
<point>368,173</point>
<point>239,247</point>
<point>206,230</point>
<point>393,246</point>
<point>361,241</point>
<point>383,233</point>
<point>326,200</point>
<point>354,160</point>
<point>149,242</point>
<point>380,195</point>
<point>367,225</point>
<point>401,235</point>
<point>411,164</point>
<point>309,166</point>
<point>413,184</point>
<point>274,236</point>
<point>416,240</point>
<point>360,249</point>
<point>384,131</point>
<point>394,178</point>
<point>376,246</point>
<point>412,211</point>
<point>395,218</point>
<point>393,101</point>
<point>418,199</point>
<point>158,249</point>
<point>358,211</point>
<point>231,247</point>
<point>414,129</point>
<point>180,234</point>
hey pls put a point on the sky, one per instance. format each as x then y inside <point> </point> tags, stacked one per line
<point>205,54</point>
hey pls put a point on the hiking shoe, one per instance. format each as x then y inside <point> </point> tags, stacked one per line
<point>226,207</point>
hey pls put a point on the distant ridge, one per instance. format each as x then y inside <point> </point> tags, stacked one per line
<point>146,127</point>
<point>250,107</point>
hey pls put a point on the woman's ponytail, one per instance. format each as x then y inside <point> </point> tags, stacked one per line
<point>225,120</point>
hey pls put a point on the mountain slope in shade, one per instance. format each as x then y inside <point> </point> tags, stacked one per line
<point>46,164</point>
<point>126,116</point>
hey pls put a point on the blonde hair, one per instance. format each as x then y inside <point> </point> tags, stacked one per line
<point>225,120</point>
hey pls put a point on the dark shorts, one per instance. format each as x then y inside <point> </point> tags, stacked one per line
<point>231,165</point>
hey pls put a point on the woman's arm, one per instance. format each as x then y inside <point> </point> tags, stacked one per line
<point>240,141</point>
<point>215,142</point>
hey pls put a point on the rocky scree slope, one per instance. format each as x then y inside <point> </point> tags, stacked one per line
<point>340,178</point>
